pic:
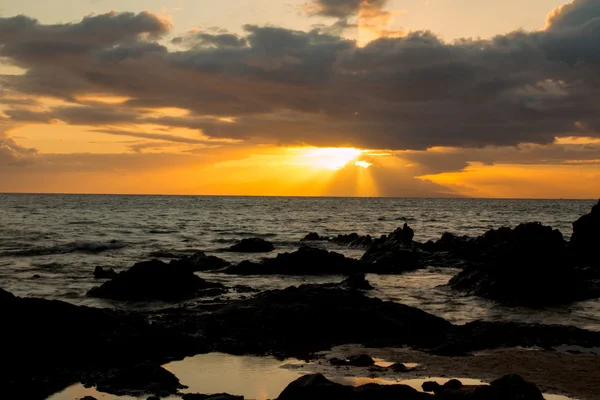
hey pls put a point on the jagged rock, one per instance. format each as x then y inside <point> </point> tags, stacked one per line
<point>314,237</point>
<point>199,262</point>
<point>586,235</point>
<point>356,282</point>
<point>137,381</point>
<point>153,280</point>
<point>528,265</point>
<point>393,253</point>
<point>299,320</point>
<point>360,360</point>
<point>104,273</point>
<point>252,245</point>
<point>353,240</point>
<point>304,261</point>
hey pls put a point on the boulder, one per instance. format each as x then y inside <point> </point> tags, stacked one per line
<point>353,240</point>
<point>300,320</point>
<point>154,280</point>
<point>137,381</point>
<point>509,387</point>
<point>586,235</point>
<point>394,253</point>
<point>104,273</point>
<point>199,262</point>
<point>252,245</point>
<point>305,261</point>
<point>360,360</point>
<point>356,282</point>
<point>314,237</point>
<point>528,265</point>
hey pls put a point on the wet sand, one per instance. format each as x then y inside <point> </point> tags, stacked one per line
<point>572,375</point>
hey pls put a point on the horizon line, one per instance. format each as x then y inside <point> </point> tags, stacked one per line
<point>457,197</point>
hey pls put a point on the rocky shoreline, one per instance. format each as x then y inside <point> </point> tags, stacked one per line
<point>50,345</point>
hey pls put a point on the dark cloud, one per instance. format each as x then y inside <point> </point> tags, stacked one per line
<point>344,8</point>
<point>154,136</point>
<point>277,85</point>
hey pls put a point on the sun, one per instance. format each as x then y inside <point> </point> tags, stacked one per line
<point>333,158</point>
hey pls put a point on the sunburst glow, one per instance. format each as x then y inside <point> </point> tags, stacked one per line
<point>332,158</point>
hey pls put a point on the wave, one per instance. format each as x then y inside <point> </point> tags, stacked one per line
<point>83,222</point>
<point>75,247</point>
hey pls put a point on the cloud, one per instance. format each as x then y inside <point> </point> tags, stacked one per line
<point>11,154</point>
<point>344,9</point>
<point>281,86</point>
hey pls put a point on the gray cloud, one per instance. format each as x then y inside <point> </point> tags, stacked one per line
<point>285,86</point>
<point>344,8</point>
<point>11,154</point>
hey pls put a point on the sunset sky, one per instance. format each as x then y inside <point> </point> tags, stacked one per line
<point>407,98</point>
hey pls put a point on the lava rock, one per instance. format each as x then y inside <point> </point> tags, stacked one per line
<point>394,253</point>
<point>137,381</point>
<point>252,245</point>
<point>305,261</point>
<point>153,280</point>
<point>356,282</point>
<point>299,320</point>
<point>317,387</point>
<point>360,360</point>
<point>102,273</point>
<point>314,237</point>
<point>586,234</point>
<point>199,262</point>
<point>353,240</point>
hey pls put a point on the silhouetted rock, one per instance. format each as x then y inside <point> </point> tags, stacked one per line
<point>153,280</point>
<point>356,282</point>
<point>353,240</point>
<point>393,253</point>
<point>299,320</point>
<point>55,344</point>
<point>102,273</point>
<point>88,398</point>
<point>528,265</point>
<point>304,261</point>
<point>137,381</point>
<point>399,367</point>
<point>314,237</point>
<point>252,245</point>
<point>220,396</point>
<point>200,262</point>
<point>509,387</point>
<point>360,360</point>
<point>586,235</point>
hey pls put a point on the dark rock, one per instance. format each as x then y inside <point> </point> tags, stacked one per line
<point>36,276</point>
<point>153,398</point>
<point>102,273</point>
<point>586,235</point>
<point>220,396</point>
<point>394,253</point>
<point>305,261</point>
<point>338,362</point>
<point>137,381</point>
<point>88,398</point>
<point>314,237</point>
<point>528,265</point>
<point>199,262</point>
<point>317,387</point>
<point>153,280</point>
<point>515,387</point>
<point>360,360</point>
<point>56,344</point>
<point>244,289</point>
<point>431,386</point>
<point>299,320</point>
<point>252,245</point>
<point>509,387</point>
<point>356,282</point>
<point>399,367</point>
<point>453,384</point>
<point>353,240</point>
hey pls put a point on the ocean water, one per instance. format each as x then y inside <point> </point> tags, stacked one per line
<point>62,238</point>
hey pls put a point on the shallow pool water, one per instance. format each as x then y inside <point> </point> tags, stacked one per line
<point>257,378</point>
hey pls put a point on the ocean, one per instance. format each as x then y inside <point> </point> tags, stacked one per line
<point>50,244</point>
